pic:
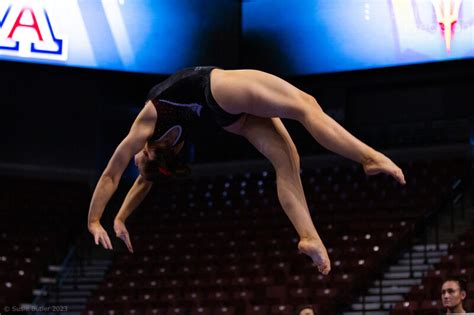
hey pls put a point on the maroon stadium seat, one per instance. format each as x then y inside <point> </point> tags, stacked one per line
<point>404,308</point>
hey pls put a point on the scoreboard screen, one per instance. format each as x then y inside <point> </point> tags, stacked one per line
<point>151,36</point>
<point>315,36</point>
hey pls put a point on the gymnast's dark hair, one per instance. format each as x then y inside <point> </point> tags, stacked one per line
<point>165,164</point>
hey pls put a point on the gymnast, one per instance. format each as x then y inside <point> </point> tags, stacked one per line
<point>248,103</point>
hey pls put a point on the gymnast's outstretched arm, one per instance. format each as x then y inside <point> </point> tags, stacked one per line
<point>135,196</point>
<point>141,130</point>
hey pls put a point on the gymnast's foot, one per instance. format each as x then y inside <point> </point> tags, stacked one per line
<point>315,249</point>
<point>379,163</point>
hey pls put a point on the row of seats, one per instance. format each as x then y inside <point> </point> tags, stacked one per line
<point>285,309</point>
<point>423,307</point>
<point>372,187</point>
<point>276,294</point>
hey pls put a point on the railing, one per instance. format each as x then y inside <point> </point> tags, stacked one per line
<point>49,290</point>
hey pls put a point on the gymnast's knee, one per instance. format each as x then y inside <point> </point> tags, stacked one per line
<point>307,107</point>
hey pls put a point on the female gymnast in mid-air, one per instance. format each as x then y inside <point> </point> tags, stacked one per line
<point>249,103</point>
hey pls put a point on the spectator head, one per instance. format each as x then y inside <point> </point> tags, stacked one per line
<point>453,293</point>
<point>306,310</point>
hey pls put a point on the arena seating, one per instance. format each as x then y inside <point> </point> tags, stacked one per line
<point>426,297</point>
<point>224,246</point>
<point>37,220</point>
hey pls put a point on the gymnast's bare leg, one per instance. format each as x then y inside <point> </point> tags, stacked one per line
<point>262,95</point>
<point>271,138</point>
<point>265,95</point>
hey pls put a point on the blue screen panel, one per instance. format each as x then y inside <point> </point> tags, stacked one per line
<point>315,36</point>
<point>154,36</point>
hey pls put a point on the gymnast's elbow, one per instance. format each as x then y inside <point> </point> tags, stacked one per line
<point>109,179</point>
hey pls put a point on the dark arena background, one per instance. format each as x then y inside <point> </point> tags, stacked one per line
<point>398,74</point>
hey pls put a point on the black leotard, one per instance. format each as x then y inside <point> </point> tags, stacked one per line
<point>184,98</point>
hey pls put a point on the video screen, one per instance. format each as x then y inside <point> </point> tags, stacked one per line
<point>319,36</point>
<point>150,36</point>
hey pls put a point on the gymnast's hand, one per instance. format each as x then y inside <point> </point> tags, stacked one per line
<point>122,233</point>
<point>100,235</point>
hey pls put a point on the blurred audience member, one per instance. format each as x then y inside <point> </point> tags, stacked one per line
<point>453,294</point>
<point>306,310</point>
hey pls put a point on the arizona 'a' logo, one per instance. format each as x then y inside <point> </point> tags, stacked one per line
<point>27,30</point>
<point>433,27</point>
